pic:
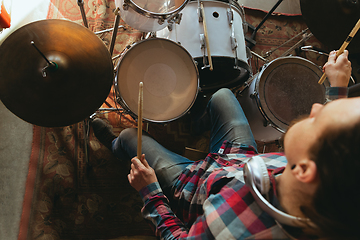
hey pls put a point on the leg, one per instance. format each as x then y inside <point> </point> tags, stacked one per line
<point>167,165</point>
<point>228,121</point>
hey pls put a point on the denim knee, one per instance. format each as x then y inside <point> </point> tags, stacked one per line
<point>221,93</point>
<point>128,133</point>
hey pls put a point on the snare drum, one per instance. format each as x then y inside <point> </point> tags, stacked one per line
<point>149,15</point>
<point>281,92</point>
<point>168,73</point>
<point>226,42</point>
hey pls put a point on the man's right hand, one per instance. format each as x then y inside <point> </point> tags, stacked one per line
<point>338,69</point>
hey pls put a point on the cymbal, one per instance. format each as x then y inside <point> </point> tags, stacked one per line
<point>331,21</point>
<point>67,94</point>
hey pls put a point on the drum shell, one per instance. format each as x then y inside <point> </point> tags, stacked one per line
<point>230,66</point>
<point>166,99</point>
<point>300,86</point>
<point>187,33</point>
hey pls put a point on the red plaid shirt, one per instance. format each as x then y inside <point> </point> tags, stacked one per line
<point>212,199</point>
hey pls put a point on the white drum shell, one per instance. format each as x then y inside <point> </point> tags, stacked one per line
<point>187,33</point>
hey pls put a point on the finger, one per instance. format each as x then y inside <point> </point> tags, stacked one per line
<point>137,163</point>
<point>143,160</point>
<point>332,57</point>
<point>132,166</point>
<point>343,58</point>
<point>129,178</point>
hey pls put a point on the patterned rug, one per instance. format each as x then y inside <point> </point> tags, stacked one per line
<point>71,197</point>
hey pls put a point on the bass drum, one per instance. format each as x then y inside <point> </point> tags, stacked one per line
<point>168,73</point>
<point>283,91</point>
<point>226,42</point>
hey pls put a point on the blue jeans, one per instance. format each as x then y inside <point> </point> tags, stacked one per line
<point>228,122</point>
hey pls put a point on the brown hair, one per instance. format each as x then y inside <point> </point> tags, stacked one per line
<point>336,203</point>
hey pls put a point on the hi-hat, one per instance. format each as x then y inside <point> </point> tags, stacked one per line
<point>62,93</point>
<point>332,21</point>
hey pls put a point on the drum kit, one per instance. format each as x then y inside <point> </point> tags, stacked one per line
<point>55,73</point>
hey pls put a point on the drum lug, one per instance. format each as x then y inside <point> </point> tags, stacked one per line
<point>170,26</point>
<point>161,21</point>
<point>125,6</point>
<point>175,19</point>
<point>253,95</point>
<point>266,123</point>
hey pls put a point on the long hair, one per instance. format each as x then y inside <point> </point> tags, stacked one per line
<point>336,205</point>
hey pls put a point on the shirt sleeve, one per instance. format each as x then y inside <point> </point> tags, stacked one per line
<point>167,225</point>
<point>333,93</point>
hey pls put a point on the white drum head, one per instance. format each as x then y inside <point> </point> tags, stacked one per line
<point>169,75</point>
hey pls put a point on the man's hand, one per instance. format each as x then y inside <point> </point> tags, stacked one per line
<point>141,174</point>
<point>338,69</point>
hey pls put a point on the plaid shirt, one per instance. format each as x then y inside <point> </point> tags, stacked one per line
<point>212,199</point>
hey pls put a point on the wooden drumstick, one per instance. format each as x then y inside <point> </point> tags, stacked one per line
<point>343,46</point>
<point>206,37</point>
<point>140,111</point>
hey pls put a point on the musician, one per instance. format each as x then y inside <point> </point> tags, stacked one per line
<point>315,179</point>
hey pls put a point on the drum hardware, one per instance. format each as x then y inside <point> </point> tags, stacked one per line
<point>116,27</point>
<point>314,49</point>
<point>176,19</point>
<point>206,37</point>
<point>268,53</point>
<point>83,14</point>
<point>233,41</point>
<point>251,41</point>
<point>50,64</point>
<point>199,12</point>
<point>267,122</point>
<point>109,30</point>
<point>203,46</point>
<point>304,38</point>
<point>260,57</point>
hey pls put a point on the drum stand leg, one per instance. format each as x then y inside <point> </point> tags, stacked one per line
<point>86,132</point>
<point>116,26</point>
<point>251,41</point>
<point>83,15</point>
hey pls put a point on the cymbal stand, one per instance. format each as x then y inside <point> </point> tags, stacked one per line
<point>251,41</point>
<point>109,30</point>
<point>116,26</point>
<point>86,132</point>
<point>83,15</point>
<point>268,53</point>
<point>300,42</point>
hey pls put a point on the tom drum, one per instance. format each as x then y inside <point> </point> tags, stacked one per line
<point>168,73</point>
<point>285,89</point>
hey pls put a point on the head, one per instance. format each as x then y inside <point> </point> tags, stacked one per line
<point>324,148</point>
